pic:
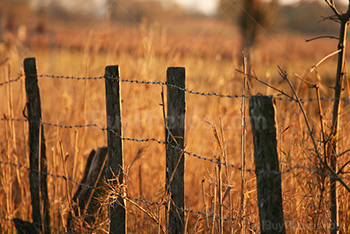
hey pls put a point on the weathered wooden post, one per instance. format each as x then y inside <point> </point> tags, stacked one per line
<point>115,166</point>
<point>37,148</point>
<point>175,161</point>
<point>262,116</point>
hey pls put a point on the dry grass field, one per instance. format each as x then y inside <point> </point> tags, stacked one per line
<point>210,52</point>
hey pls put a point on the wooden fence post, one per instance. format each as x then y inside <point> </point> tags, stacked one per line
<point>262,116</point>
<point>175,160</point>
<point>115,166</point>
<point>37,149</point>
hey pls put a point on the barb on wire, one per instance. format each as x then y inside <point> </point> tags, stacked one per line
<point>142,81</point>
<point>11,81</point>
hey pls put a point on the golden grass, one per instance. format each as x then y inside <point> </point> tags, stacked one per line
<point>208,51</point>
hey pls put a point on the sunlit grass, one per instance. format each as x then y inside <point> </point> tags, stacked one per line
<point>211,59</point>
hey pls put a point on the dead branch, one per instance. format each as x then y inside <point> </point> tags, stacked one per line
<point>321,37</point>
<point>325,58</point>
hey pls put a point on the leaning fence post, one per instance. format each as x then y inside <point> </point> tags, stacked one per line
<point>36,139</point>
<point>115,166</point>
<point>262,116</point>
<point>175,160</point>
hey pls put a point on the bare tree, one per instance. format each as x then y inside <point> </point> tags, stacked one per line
<point>333,138</point>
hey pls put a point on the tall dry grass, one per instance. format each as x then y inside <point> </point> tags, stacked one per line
<point>210,56</point>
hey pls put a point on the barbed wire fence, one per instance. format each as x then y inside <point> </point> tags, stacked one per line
<point>164,83</point>
<point>138,140</point>
<point>158,141</point>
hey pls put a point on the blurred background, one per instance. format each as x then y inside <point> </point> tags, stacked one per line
<point>169,28</point>
<point>27,20</point>
<point>292,15</point>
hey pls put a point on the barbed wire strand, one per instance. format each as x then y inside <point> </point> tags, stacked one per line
<point>170,85</point>
<point>146,140</point>
<point>296,167</point>
<point>11,81</point>
<point>184,89</point>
